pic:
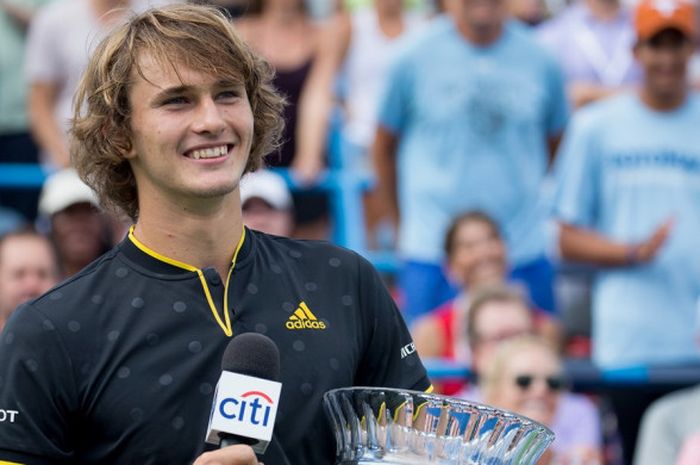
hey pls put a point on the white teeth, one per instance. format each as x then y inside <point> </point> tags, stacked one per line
<point>209,152</point>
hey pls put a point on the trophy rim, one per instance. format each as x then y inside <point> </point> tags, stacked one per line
<point>489,409</point>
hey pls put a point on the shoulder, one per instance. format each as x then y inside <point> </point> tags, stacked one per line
<point>308,253</point>
<point>694,100</point>
<point>673,405</point>
<point>598,115</point>
<point>524,41</point>
<point>68,296</point>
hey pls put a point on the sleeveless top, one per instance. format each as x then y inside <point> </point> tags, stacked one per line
<point>369,56</point>
<point>290,82</point>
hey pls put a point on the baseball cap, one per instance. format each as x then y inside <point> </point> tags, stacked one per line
<point>653,16</point>
<point>63,189</point>
<point>267,186</point>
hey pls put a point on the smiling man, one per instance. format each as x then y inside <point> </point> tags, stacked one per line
<point>118,364</point>
<point>627,201</point>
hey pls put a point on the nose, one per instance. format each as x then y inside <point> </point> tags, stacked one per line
<point>208,117</point>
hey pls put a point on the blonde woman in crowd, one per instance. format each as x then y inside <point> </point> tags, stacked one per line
<point>526,376</point>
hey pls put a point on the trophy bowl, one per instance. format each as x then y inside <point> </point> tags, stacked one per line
<point>402,427</point>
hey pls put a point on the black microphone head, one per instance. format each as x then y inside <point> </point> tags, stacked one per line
<point>252,354</point>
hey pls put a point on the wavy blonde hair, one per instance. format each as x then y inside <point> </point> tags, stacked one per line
<point>195,36</point>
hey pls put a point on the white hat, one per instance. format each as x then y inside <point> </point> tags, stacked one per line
<point>267,186</point>
<point>63,189</point>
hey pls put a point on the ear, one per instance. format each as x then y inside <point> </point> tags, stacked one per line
<point>129,154</point>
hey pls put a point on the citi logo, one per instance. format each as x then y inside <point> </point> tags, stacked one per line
<point>407,350</point>
<point>246,411</point>
<point>304,319</point>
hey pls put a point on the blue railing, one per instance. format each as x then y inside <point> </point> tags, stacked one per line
<point>585,376</point>
<point>345,191</point>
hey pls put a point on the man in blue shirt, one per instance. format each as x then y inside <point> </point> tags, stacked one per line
<point>470,112</point>
<point>627,200</point>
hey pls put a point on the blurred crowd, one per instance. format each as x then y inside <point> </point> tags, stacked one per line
<point>534,165</point>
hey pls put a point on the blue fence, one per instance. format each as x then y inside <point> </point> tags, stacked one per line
<point>585,377</point>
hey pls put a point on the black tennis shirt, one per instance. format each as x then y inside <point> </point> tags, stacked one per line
<point>118,364</point>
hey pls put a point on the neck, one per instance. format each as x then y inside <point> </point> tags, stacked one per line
<point>480,36</point>
<point>388,12</point>
<point>390,22</point>
<point>196,234</point>
<point>604,9</point>
<point>663,102</point>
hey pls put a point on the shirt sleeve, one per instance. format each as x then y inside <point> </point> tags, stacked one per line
<point>577,174</point>
<point>395,100</point>
<point>42,60</point>
<point>36,391</point>
<point>390,358</point>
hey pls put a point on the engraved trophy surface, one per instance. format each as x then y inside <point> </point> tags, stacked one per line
<point>402,427</point>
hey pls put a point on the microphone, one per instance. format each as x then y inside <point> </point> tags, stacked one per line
<point>247,394</point>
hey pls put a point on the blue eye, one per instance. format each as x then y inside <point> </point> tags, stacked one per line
<point>179,100</point>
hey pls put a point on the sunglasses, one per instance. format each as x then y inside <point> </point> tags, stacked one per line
<point>554,382</point>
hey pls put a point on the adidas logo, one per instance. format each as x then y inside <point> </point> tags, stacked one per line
<point>304,319</point>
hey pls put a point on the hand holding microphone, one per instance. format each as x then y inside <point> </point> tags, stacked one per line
<point>245,402</point>
<point>232,455</point>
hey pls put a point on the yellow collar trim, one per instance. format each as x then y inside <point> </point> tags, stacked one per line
<point>226,323</point>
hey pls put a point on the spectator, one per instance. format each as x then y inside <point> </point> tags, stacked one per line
<point>16,143</point>
<point>526,376</point>
<point>632,150</point>
<point>267,204</point>
<point>473,132</point>
<point>360,45</point>
<point>476,260</point>
<point>283,32</point>
<point>78,229</point>
<point>626,202</point>
<point>28,268</point>
<point>61,38</point>
<point>670,430</point>
<point>592,39</point>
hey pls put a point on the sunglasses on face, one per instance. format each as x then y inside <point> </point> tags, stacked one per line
<point>554,383</point>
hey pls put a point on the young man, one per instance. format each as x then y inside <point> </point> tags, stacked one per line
<point>176,109</point>
<point>470,111</point>
<point>627,202</point>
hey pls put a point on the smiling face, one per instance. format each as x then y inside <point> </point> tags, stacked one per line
<point>529,383</point>
<point>477,257</point>
<point>191,133</point>
<point>664,59</point>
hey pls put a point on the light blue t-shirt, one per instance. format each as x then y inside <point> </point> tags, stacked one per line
<point>473,125</point>
<point>624,170</point>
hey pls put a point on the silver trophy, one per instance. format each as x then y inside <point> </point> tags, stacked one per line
<point>401,427</point>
